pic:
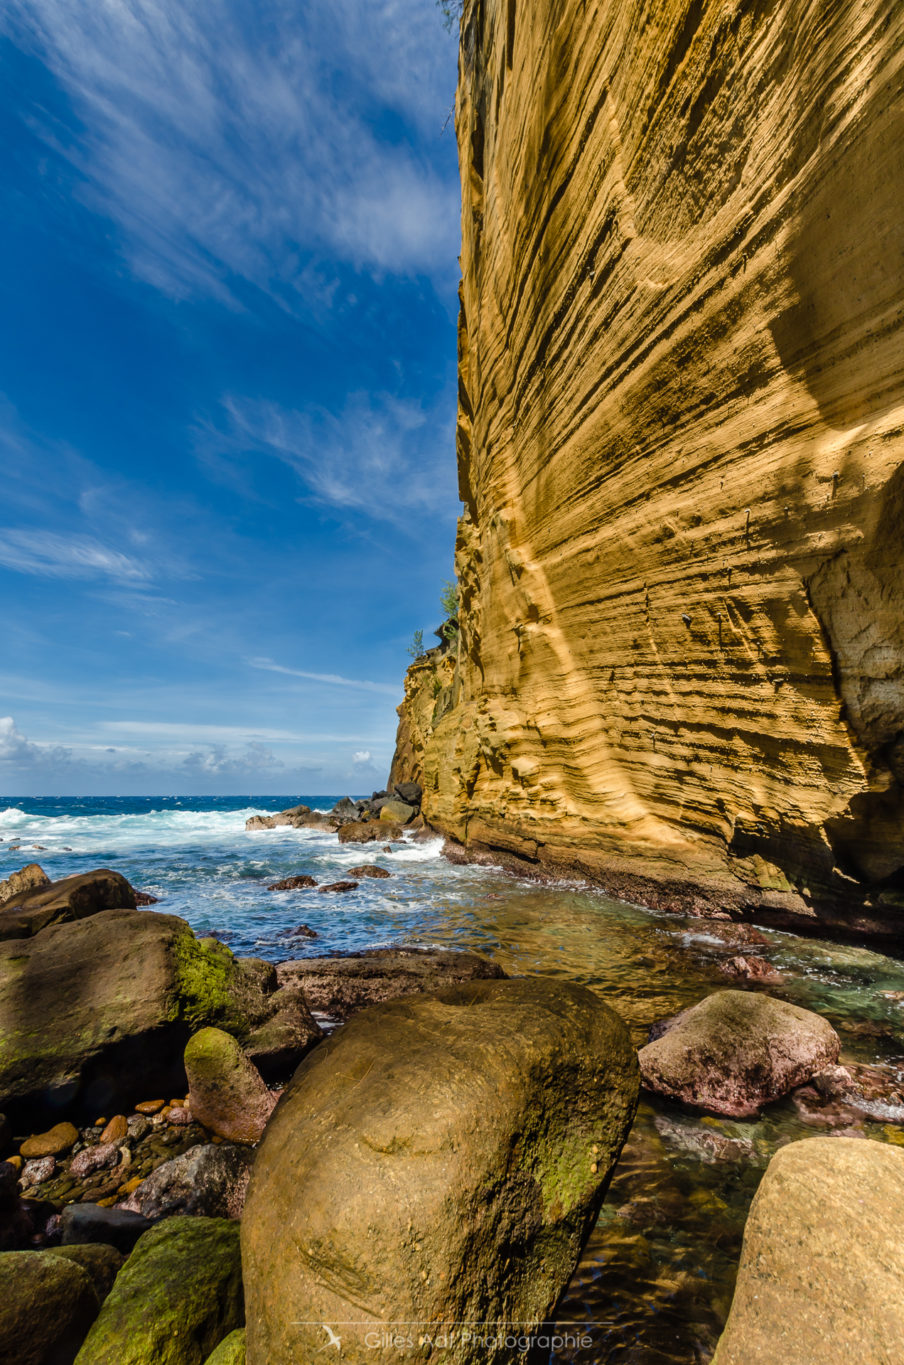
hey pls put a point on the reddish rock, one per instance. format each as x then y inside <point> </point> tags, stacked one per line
<point>116,1131</point>
<point>149,1107</point>
<point>144,898</point>
<point>736,1051</point>
<point>226,1091</point>
<point>750,969</point>
<point>368,832</point>
<point>368,870</point>
<point>91,1159</point>
<point>340,886</point>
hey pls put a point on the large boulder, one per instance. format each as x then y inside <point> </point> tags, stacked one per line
<point>81,1224</point>
<point>23,882</point>
<point>437,1160</point>
<point>176,1298</point>
<point>736,1051</point>
<point>822,1267</point>
<point>339,986</point>
<point>34,908</point>
<point>97,1011</point>
<point>103,1263</point>
<point>397,812</point>
<point>209,1180</point>
<point>226,1092</point>
<point>47,1304</point>
<point>231,1350</point>
<point>409,792</point>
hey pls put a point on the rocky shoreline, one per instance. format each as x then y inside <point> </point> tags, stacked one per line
<point>186,1125</point>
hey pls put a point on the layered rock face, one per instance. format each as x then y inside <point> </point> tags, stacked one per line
<point>680,449</point>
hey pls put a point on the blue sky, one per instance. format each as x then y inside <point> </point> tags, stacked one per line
<point>228,273</point>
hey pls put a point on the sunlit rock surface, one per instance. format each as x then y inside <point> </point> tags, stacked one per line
<point>679,444</point>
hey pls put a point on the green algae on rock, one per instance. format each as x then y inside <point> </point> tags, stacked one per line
<point>227,1093</point>
<point>178,1295</point>
<point>47,1304</point>
<point>440,1159</point>
<point>231,1350</point>
<point>102,1262</point>
<point>823,1261</point>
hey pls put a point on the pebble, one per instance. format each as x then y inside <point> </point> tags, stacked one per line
<point>179,1115</point>
<point>149,1106</point>
<point>94,1159</point>
<point>36,1172</point>
<point>54,1142</point>
<point>116,1130</point>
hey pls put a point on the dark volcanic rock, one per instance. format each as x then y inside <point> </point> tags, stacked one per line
<point>341,985</point>
<point>460,1187</point>
<point>120,1228</point>
<point>368,870</point>
<point>293,883</point>
<point>409,792</point>
<point>340,886</point>
<point>736,1051</point>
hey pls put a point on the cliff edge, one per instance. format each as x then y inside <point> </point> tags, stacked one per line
<point>681,563</point>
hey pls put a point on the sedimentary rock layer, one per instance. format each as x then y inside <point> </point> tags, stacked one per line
<point>680,454</point>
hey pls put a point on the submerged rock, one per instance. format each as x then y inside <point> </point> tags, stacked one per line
<point>340,886</point>
<point>47,1305</point>
<point>339,986</point>
<point>368,870</point>
<point>823,1262</point>
<point>298,883</point>
<point>226,1091</point>
<point>209,1180</point>
<point>178,1295</point>
<point>458,1183</point>
<point>736,1051</point>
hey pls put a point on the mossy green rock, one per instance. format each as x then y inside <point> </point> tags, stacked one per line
<point>231,1350</point>
<point>105,1005</point>
<point>439,1159</point>
<point>47,1304</point>
<point>226,1091</point>
<point>178,1295</point>
<point>103,1263</point>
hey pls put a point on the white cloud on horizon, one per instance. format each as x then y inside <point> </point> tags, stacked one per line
<point>230,144</point>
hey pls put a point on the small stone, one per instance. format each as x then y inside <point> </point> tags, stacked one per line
<point>93,1159</point>
<point>116,1130</point>
<point>179,1115</point>
<point>138,1127</point>
<point>149,1106</point>
<point>55,1142</point>
<point>15,1162</point>
<point>131,1185</point>
<point>36,1172</point>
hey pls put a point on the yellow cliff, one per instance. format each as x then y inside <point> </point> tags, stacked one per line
<point>680,450</point>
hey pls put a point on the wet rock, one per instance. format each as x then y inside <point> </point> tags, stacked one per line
<point>91,1159</point>
<point>822,1265</point>
<point>341,985</point>
<point>117,995</point>
<point>231,1350</point>
<point>368,870</point>
<point>55,1142</point>
<point>736,1051</point>
<point>708,1145</point>
<point>149,1107</point>
<point>176,1298</point>
<point>143,898</point>
<point>36,1172</point>
<point>840,1095</point>
<point>461,1186</point>
<point>209,1180</point>
<point>298,883</point>
<point>368,832</point>
<point>26,880</point>
<point>340,886</point>
<point>750,968</point>
<point>294,817</point>
<point>120,1228</point>
<point>278,1046</point>
<point>300,931</point>
<point>117,1130</point>
<point>47,1305</point>
<point>103,1263</point>
<point>226,1091</point>
<point>6,1134</point>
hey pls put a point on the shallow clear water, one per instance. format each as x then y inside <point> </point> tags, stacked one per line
<point>656,1278</point>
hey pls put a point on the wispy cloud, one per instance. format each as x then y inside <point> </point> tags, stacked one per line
<point>334,679</point>
<point>20,752</point>
<point>227,148</point>
<point>381,455</point>
<point>57,556</point>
